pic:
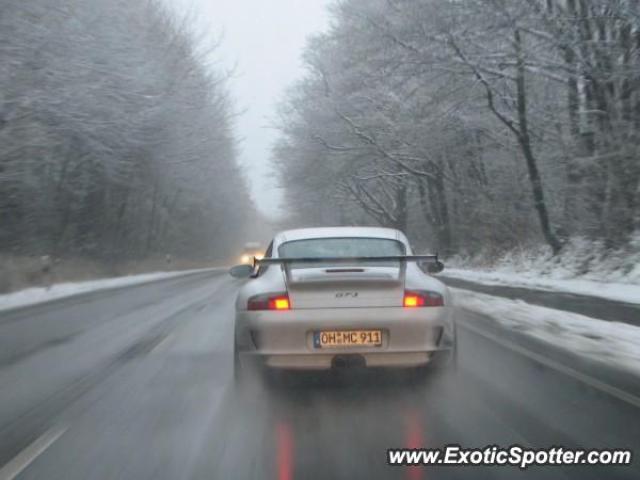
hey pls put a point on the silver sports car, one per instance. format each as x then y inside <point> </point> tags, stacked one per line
<point>329,297</point>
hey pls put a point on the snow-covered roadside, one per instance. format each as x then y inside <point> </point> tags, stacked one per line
<point>613,343</point>
<point>583,267</point>
<point>35,295</point>
<point>623,292</point>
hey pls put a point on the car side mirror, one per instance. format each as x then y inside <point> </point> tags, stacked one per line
<point>435,267</point>
<point>241,271</point>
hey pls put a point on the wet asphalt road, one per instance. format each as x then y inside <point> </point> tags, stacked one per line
<point>137,384</point>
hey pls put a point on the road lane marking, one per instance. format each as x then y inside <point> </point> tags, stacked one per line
<point>159,346</point>
<point>592,382</point>
<point>21,461</point>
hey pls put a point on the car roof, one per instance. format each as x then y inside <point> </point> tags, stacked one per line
<point>332,232</point>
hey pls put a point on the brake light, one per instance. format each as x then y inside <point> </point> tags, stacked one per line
<point>269,301</point>
<point>422,298</point>
<point>413,300</point>
<point>279,303</point>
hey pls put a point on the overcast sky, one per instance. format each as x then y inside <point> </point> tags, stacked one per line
<point>264,39</point>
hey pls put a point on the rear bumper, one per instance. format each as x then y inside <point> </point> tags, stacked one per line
<point>325,362</point>
<point>284,339</point>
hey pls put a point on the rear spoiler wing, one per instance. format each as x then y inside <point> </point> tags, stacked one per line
<point>389,258</point>
<point>285,263</point>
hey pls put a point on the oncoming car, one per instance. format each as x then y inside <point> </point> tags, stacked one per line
<point>323,298</point>
<point>249,251</point>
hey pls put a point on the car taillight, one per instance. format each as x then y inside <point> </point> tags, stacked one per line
<point>269,301</point>
<point>279,303</point>
<point>422,298</point>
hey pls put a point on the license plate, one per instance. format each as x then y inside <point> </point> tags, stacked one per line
<point>347,338</point>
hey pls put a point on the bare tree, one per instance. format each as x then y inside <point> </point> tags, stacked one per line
<point>502,122</point>
<point>116,140</point>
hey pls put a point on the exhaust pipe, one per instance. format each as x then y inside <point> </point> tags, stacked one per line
<point>339,362</point>
<point>348,361</point>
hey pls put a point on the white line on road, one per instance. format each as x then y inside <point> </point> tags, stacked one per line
<point>21,461</point>
<point>159,346</point>
<point>592,382</point>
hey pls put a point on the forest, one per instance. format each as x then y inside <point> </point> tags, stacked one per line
<point>116,137</point>
<point>477,125</point>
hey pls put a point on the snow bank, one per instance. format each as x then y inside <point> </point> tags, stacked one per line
<point>584,267</point>
<point>622,292</point>
<point>35,295</point>
<point>613,343</point>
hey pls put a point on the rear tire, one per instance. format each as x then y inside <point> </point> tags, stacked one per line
<point>447,360</point>
<point>442,362</point>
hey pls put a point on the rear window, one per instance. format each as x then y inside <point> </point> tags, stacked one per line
<point>341,247</point>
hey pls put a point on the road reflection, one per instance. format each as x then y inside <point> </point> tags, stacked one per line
<point>413,426</point>
<point>285,451</point>
<point>341,425</point>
